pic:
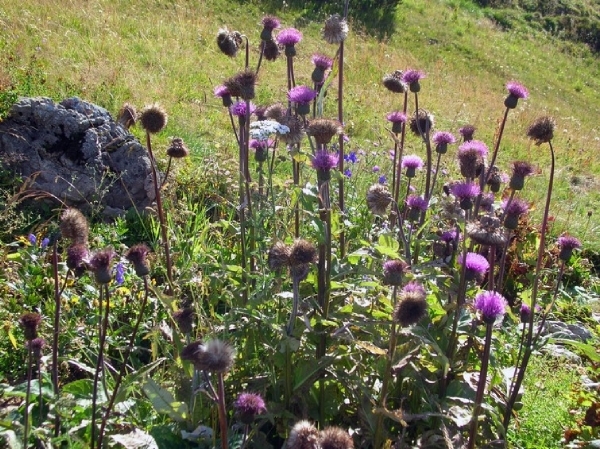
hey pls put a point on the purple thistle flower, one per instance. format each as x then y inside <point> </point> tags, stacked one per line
<point>465,190</point>
<point>260,144</point>
<point>120,273</point>
<point>517,90</point>
<point>396,117</point>
<point>321,61</point>
<point>476,265</point>
<point>382,179</point>
<point>289,37</point>
<point>221,91</point>
<point>467,132</point>
<point>271,22</point>
<point>393,271</point>
<point>443,137</point>
<point>412,161</point>
<point>448,236</point>
<point>524,313</point>
<point>412,76</point>
<point>32,239</point>
<point>475,146</point>
<point>414,287</point>
<point>248,405</point>
<point>417,202</point>
<point>567,244</point>
<point>492,306</point>
<point>302,94</point>
<point>516,207</point>
<point>348,173</point>
<point>323,160</point>
<point>239,108</point>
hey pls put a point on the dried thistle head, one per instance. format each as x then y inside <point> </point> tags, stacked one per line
<point>541,130</point>
<point>215,355</point>
<point>421,123</point>
<point>30,322</point>
<point>229,42</point>
<point>153,118</point>
<point>74,226</point>
<point>127,116</point>
<point>304,435</point>
<point>242,84</point>
<point>100,265</point>
<point>323,130</point>
<point>279,256</point>
<point>185,319</point>
<point>178,149</point>
<point>378,199</point>
<point>137,255</point>
<point>335,29</point>
<point>335,438</point>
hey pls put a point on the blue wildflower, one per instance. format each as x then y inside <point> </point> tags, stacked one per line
<point>45,242</point>
<point>120,273</point>
<point>32,239</point>
<point>383,179</point>
<point>351,157</point>
<point>347,173</point>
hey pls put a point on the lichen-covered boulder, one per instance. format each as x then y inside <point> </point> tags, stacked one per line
<point>76,152</point>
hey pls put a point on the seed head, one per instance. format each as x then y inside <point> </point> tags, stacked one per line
<point>421,123</point>
<point>541,130</point>
<point>393,82</point>
<point>177,149</point>
<point>411,308</point>
<point>215,355</point>
<point>302,252</point>
<point>279,256</point>
<point>127,116</point>
<point>488,231</point>
<point>242,84</point>
<point>335,30</point>
<point>275,111</point>
<point>229,42</point>
<point>335,438</point>
<point>185,319</point>
<point>296,133</point>
<point>270,50</point>
<point>74,226</point>
<point>393,271</point>
<point>76,256</point>
<point>30,322</point>
<point>100,265</point>
<point>303,436</point>
<point>378,199</point>
<point>153,118</point>
<point>323,130</point>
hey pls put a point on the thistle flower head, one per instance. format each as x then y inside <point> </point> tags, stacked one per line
<point>30,322</point>
<point>248,405</point>
<point>412,77</point>
<point>239,108</point>
<point>303,435</point>
<point>324,160</point>
<point>323,130</point>
<point>471,158</point>
<point>487,231</point>
<point>278,256</point>
<point>100,265</point>
<point>414,287</point>
<point>515,207</point>
<point>153,118</point>
<point>127,116</point>
<point>516,91</point>
<point>411,307</point>
<point>442,139</point>
<point>393,82</point>
<point>275,111</point>
<point>178,149</point>
<point>541,130</point>
<point>467,132</point>
<point>271,22</point>
<point>421,123</point>
<point>215,355</point>
<point>393,271</point>
<point>270,50</point>
<point>491,305</point>
<point>74,226</point>
<point>465,190</point>
<point>302,94</point>
<point>36,345</point>
<point>335,29</point>
<point>289,37</point>
<point>229,42</point>
<point>242,84</point>
<point>76,256</point>
<point>412,161</point>
<point>137,255</point>
<point>185,319</point>
<point>396,117</point>
<point>378,199</point>
<point>223,93</point>
<point>487,202</point>
<point>335,438</point>
<point>524,313</point>
<point>475,265</point>
<point>302,252</point>
<point>476,146</point>
<point>417,203</point>
<point>567,245</point>
<point>321,61</point>
<point>296,129</point>
<point>521,169</point>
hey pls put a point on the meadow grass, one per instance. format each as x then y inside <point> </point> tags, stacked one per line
<point>111,52</point>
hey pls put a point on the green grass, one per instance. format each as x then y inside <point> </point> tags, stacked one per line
<point>545,414</point>
<point>110,52</point>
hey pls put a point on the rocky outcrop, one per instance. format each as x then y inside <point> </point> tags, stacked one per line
<point>76,152</point>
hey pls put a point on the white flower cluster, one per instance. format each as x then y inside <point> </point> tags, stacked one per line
<point>261,130</point>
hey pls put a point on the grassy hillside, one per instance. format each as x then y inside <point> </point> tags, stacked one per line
<point>110,52</point>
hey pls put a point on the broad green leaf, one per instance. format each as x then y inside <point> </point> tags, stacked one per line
<point>164,402</point>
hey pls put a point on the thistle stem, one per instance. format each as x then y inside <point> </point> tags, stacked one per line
<point>222,412</point>
<point>104,297</point>
<point>56,333</point>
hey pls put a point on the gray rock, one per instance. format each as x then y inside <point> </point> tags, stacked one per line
<point>560,352</point>
<point>575,332</point>
<point>76,152</point>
